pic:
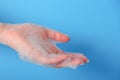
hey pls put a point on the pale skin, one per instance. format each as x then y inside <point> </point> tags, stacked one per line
<point>14,36</point>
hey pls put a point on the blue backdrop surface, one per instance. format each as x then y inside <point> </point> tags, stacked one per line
<point>94,28</point>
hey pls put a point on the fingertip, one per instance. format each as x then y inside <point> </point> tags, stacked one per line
<point>62,37</point>
<point>57,36</point>
<point>87,61</point>
<point>82,56</point>
<point>66,39</point>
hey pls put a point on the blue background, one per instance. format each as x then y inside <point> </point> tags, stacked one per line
<point>94,28</point>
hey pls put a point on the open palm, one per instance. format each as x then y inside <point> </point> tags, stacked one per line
<point>37,45</point>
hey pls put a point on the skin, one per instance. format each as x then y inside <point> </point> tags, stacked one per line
<point>14,35</point>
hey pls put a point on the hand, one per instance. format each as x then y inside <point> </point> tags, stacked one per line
<point>37,45</point>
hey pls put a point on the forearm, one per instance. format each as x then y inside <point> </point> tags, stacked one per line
<point>2,27</point>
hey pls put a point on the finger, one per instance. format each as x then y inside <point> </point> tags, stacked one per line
<point>51,48</point>
<point>56,50</point>
<point>53,59</point>
<point>71,63</point>
<point>57,36</point>
<point>81,56</point>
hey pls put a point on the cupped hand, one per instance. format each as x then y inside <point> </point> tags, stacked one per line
<point>38,45</point>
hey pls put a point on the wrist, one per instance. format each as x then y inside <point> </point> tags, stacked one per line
<point>3,28</point>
